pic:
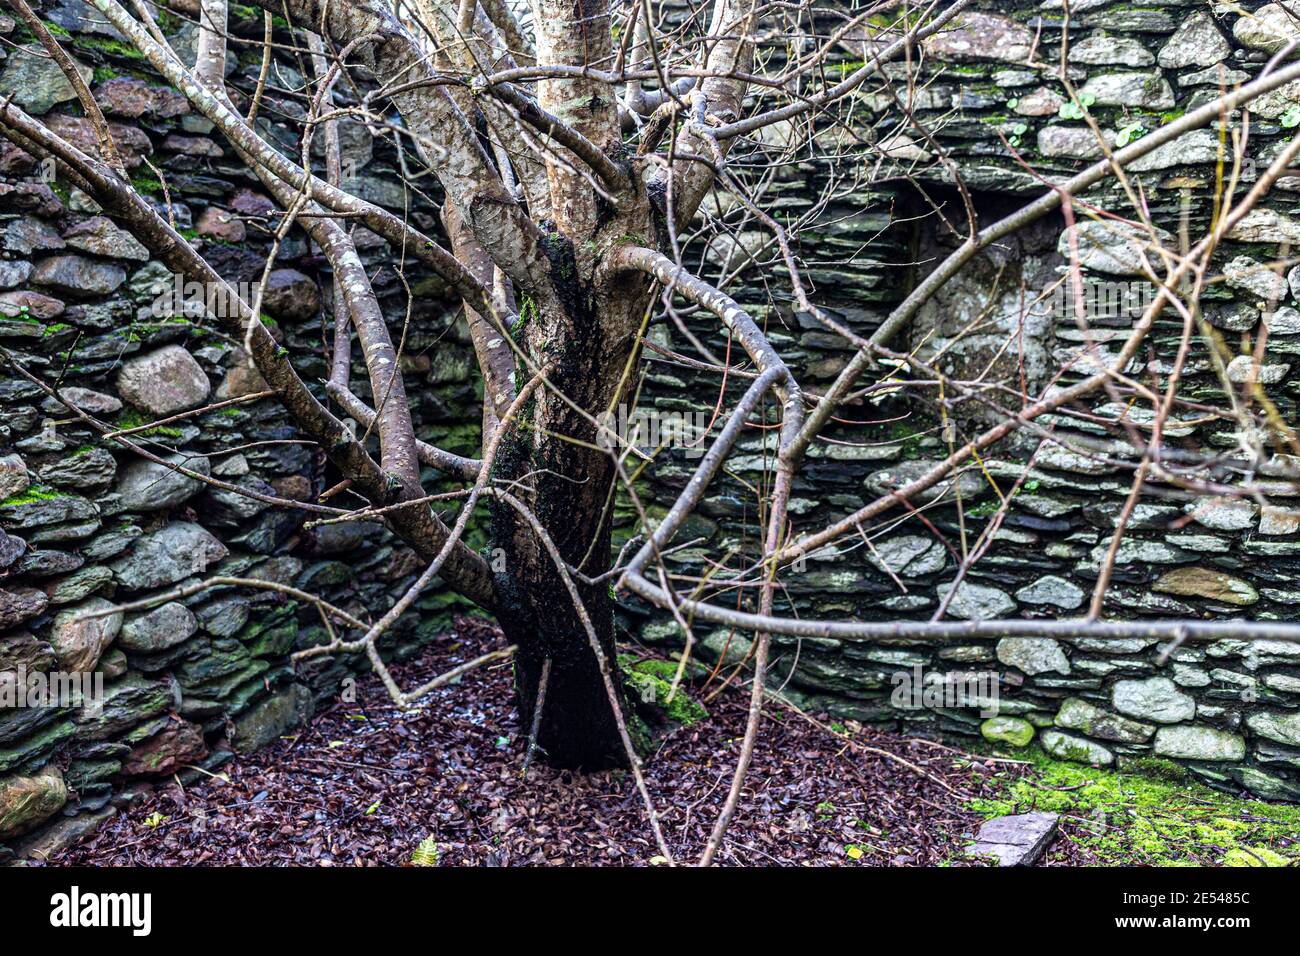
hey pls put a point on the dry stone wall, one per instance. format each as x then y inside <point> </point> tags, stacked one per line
<point>1229,712</point>
<point>86,525</point>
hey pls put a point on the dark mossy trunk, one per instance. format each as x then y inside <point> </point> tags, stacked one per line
<point>552,456</point>
<point>577,729</point>
<point>537,612</point>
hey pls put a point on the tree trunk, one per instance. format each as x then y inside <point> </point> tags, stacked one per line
<point>552,454</point>
<point>577,729</point>
<point>535,608</point>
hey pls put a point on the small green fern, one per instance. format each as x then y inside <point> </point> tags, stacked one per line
<point>426,854</point>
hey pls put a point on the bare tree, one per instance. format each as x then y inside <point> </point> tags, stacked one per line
<point>581,149</point>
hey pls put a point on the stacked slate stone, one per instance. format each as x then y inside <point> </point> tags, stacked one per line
<point>87,525</point>
<point>1229,712</point>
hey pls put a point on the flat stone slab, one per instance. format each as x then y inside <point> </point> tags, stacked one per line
<point>60,836</point>
<point>1016,840</point>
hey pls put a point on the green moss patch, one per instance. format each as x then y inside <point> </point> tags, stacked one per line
<point>32,495</point>
<point>108,46</point>
<point>1126,819</point>
<point>651,683</point>
<point>134,419</point>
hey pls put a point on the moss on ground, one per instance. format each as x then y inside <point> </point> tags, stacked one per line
<point>652,682</point>
<point>1127,819</point>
